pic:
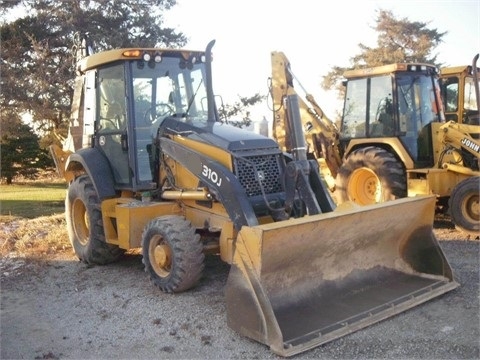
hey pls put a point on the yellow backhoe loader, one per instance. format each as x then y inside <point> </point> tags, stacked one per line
<point>154,168</point>
<point>393,140</point>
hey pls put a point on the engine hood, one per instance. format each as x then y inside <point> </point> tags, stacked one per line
<point>221,135</point>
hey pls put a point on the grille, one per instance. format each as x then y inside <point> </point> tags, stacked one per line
<point>254,170</point>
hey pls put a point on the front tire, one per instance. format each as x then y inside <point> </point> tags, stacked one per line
<point>172,253</point>
<point>371,175</point>
<point>464,206</point>
<point>85,225</point>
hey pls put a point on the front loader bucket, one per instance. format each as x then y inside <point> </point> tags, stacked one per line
<point>296,284</point>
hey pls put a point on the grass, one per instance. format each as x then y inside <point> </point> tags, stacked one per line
<point>32,199</point>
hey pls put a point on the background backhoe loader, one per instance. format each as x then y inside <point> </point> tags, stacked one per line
<point>393,140</point>
<point>156,170</point>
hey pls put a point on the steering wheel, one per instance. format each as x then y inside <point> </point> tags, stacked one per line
<point>157,112</point>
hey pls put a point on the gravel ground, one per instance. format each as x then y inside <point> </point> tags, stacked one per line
<point>62,309</point>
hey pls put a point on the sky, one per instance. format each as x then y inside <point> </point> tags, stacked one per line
<point>314,35</point>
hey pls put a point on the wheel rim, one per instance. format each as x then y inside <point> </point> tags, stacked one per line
<point>470,208</point>
<point>160,256</point>
<point>81,222</point>
<point>364,187</point>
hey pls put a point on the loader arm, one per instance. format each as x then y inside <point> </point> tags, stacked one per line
<point>462,136</point>
<point>321,133</point>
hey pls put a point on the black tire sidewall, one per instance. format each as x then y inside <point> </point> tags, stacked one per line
<point>187,253</point>
<point>95,250</point>
<point>386,167</point>
<point>462,191</point>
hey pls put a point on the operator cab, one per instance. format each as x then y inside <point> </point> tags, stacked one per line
<point>133,94</point>
<point>399,100</point>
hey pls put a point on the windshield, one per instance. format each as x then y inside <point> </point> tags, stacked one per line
<point>168,88</point>
<point>417,101</point>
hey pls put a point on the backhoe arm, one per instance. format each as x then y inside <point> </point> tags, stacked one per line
<point>320,132</point>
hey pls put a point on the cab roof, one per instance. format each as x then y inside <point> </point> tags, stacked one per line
<point>108,56</point>
<point>387,69</point>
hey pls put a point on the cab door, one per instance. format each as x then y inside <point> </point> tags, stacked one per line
<point>111,122</point>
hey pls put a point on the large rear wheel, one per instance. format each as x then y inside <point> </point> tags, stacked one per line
<point>172,253</point>
<point>464,206</point>
<point>85,226</point>
<point>371,175</point>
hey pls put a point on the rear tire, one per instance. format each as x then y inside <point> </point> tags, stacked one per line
<point>172,253</point>
<point>464,206</point>
<point>371,175</point>
<point>85,225</point>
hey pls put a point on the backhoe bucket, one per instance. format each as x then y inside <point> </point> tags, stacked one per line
<point>300,283</point>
